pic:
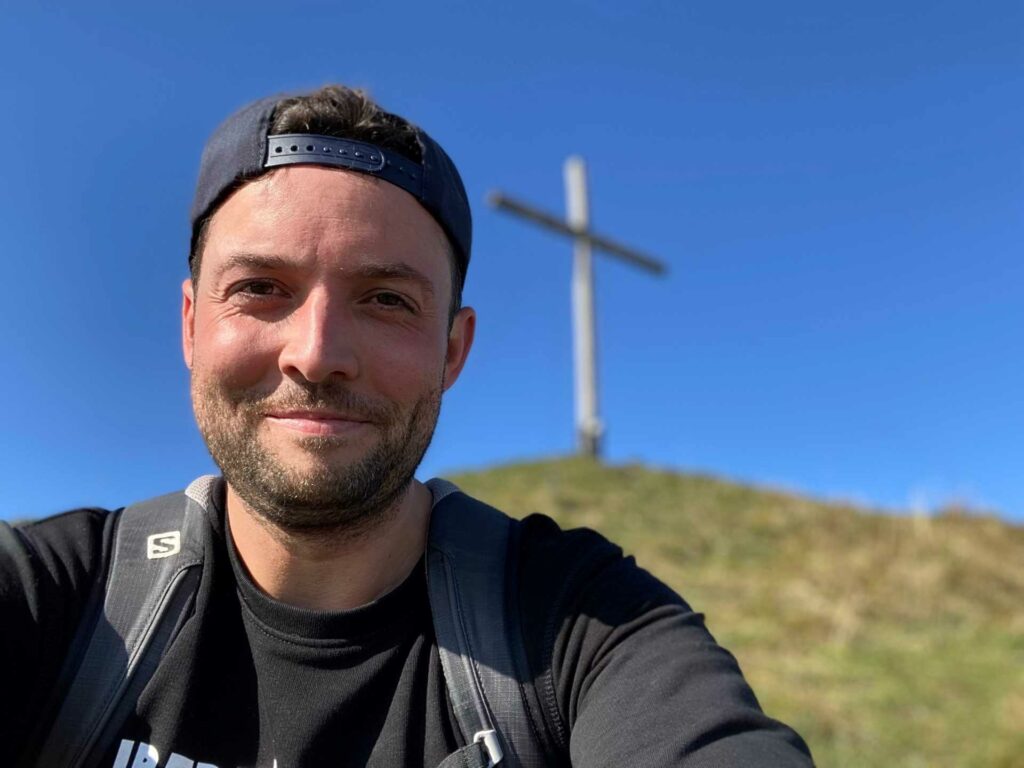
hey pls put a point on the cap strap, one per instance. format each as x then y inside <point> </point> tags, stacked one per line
<point>312,149</point>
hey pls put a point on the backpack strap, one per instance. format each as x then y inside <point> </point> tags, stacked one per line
<point>479,639</point>
<point>156,563</point>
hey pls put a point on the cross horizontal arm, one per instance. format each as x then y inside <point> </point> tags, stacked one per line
<point>552,222</point>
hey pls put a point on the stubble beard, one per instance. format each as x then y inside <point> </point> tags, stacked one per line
<point>324,496</point>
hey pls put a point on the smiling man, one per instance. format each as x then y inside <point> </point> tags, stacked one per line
<point>317,605</point>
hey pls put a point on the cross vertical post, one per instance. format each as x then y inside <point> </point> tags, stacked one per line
<point>588,422</point>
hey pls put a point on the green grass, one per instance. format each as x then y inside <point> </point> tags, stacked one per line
<point>885,640</point>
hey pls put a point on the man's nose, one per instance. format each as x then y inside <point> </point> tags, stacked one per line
<point>320,340</point>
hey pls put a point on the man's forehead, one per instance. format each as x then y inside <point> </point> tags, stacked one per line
<point>303,201</point>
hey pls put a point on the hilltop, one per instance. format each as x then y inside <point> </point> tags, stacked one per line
<point>885,640</point>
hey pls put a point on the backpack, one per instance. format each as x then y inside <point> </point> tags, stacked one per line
<point>155,552</point>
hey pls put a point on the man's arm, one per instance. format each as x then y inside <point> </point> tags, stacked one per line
<point>634,676</point>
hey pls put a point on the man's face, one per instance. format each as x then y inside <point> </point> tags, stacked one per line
<point>318,341</point>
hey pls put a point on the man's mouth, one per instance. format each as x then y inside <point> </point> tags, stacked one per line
<point>317,422</point>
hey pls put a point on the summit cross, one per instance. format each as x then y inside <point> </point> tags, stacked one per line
<point>589,427</point>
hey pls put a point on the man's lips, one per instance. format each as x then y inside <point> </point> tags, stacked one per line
<point>317,422</point>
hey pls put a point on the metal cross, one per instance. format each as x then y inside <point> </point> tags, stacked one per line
<point>589,427</point>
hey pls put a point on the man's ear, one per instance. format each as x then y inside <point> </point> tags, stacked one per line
<point>460,340</point>
<point>188,321</point>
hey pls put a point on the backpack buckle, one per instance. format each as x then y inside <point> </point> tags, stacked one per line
<point>491,744</point>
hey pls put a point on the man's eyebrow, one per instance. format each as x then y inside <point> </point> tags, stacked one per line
<point>398,270</point>
<point>244,260</point>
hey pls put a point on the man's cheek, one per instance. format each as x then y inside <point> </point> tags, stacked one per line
<point>404,384</point>
<point>237,362</point>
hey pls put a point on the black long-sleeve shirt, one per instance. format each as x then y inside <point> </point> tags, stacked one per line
<point>624,673</point>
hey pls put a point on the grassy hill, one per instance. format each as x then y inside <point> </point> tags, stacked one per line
<point>886,641</point>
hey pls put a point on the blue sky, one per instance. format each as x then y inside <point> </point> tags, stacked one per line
<point>837,189</point>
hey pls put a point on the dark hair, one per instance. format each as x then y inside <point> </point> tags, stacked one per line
<point>344,113</point>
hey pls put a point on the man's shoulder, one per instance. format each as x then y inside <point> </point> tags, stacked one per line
<point>543,540</point>
<point>64,526</point>
<point>67,545</point>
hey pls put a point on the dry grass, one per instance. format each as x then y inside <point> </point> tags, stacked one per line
<point>885,640</point>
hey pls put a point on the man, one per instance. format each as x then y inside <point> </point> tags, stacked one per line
<point>322,323</point>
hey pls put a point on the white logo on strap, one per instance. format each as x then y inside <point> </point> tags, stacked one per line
<point>163,544</point>
<point>147,756</point>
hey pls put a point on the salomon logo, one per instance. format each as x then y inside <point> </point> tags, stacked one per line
<point>163,544</point>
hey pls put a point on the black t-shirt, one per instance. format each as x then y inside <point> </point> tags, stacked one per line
<point>623,671</point>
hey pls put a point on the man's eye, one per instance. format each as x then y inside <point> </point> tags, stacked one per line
<point>258,288</point>
<point>391,300</point>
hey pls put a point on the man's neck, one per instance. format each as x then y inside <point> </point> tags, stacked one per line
<point>334,573</point>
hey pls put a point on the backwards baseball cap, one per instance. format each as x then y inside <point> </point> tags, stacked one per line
<point>243,148</point>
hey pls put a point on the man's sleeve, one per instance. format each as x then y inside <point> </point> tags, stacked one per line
<point>47,570</point>
<point>631,676</point>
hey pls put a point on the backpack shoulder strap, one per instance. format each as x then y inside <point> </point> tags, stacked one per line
<point>156,561</point>
<point>479,639</point>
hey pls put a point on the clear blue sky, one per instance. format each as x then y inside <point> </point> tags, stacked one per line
<point>837,187</point>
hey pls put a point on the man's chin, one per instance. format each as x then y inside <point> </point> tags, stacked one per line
<point>319,495</point>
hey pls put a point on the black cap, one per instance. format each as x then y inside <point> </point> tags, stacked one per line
<point>242,149</point>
